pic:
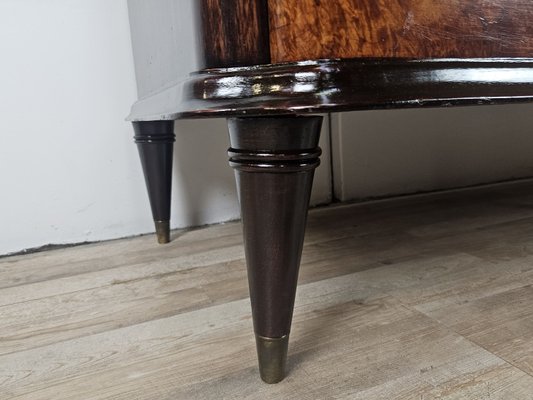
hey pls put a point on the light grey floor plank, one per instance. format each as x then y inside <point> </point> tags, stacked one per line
<point>416,298</point>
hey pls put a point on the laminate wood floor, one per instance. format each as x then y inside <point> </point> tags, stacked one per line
<point>428,297</point>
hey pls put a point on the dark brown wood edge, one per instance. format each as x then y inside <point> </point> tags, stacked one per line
<point>233,32</point>
<point>341,85</point>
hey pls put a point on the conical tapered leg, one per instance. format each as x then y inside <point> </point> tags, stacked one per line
<point>155,141</point>
<point>274,159</point>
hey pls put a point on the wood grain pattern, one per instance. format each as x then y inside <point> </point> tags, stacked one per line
<point>314,29</point>
<point>417,298</point>
<point>234,32</point>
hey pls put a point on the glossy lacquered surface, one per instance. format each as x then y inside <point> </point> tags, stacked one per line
<point>155,142</point>
<point>315,29</point>
<point>341,85</point>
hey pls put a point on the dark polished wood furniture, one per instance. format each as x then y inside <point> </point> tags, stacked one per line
<point>268,65</point>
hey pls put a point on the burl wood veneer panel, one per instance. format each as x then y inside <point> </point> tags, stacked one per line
<point>234,32</point>
<point>311,29</point>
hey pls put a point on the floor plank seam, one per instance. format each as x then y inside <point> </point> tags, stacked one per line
<point>473,342</point>
<point>403,301</point>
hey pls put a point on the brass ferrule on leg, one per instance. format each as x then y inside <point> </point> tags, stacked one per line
<point>272,355</point>
<point>162,230</point>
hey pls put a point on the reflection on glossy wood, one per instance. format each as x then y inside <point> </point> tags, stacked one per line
<point>313,29</point>
<point>342,85</point>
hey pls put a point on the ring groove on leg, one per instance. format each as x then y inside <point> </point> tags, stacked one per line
<point>274,160</point>
<point>155,142</point>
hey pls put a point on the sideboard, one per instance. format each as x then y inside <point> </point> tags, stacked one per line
<point>270,66</point>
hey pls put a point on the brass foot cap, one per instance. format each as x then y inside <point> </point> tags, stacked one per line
<point>162,230</point>
<point>272,355</point>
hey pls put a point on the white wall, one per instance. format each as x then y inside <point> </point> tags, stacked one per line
<point>384,153</point>
<point>164,39</point>
<point>69,171</point>
<point>67,164</point>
